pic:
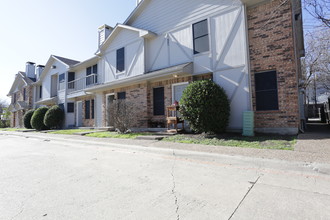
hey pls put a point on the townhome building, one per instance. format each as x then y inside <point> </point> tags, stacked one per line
<point>251,48</point>
<point>22,93</point>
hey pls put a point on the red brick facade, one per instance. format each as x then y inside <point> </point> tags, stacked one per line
<point>271,43</point>
<point>142,95</point>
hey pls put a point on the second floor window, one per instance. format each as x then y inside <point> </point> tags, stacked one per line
<point>24,94</point>
<point>91,79</point>
<point>201,37</point>
<point>120,60</point>
<point>71,78</point>
<point>40,92</point>
<point>15,97</point>
<point>61,78</point>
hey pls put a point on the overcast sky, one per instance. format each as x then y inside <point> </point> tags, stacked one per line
<point>33,30</point>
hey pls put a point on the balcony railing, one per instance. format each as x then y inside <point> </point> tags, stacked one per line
<point>82,83</point>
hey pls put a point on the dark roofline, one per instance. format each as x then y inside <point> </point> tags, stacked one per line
<point>67,61</point>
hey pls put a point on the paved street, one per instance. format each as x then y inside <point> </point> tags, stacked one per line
<point>51,177</point>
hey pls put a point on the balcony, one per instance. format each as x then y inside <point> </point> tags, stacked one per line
<point>82,83</point>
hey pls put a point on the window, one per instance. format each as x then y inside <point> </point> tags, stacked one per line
<point>120,60</point>
<point>61,78</point>
<point>91,79</point>
<point>24,94</point>
<point>266,91</point>
<point>92,108</point>
<point>201,37</point>
<point>87,109</point>
<point>159,107</point>
<point>40,92</point>
<point>121,95</point>
<point>70,107</point>
<point>61,106</point>
<point>71,77</point>
<point>15,97</point>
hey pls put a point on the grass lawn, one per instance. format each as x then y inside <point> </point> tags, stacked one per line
<point>108,134</point>
<point>13,129</point>
<point>261,142</point>
<point>70,131</point>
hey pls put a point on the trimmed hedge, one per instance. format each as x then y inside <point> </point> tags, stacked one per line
<point>37,120</point>
<point>54,117</point>
<point>205,105</point>
<point>27,119</point>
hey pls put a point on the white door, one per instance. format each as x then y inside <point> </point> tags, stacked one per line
<point>177,90</point>
<point>79,115</point>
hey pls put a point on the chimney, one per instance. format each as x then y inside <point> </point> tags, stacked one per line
<point>104,32</point>
<point>39,70</point>
<point>30,70</point>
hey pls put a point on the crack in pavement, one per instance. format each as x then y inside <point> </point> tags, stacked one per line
<point>173,190</point>
<point>239,204</point>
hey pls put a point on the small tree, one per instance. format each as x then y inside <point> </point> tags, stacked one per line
<point>54,117</point>
<point>123,114</point>
<point>37,120</point>
<point>205,106</point>
<point>27,119</point>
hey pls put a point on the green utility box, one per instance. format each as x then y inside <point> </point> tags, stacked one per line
<point>248,123</point>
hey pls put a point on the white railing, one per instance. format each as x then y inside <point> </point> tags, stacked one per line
<point>82,83</point>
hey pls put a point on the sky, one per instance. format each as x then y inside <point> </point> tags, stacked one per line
<point>35,29</point>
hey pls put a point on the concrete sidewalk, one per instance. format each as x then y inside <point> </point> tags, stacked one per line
<point>311,147</point>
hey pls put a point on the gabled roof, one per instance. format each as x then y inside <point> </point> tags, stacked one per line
<point>136,11</point>
<point>67,61</point>
<point>142,33</point>
<point>21,76</point>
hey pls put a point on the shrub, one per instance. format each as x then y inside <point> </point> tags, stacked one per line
<point>54,117</point>
<point>123,114</point>
<point>27,119</point>
<point>205,105</point>
<point>37,120</point>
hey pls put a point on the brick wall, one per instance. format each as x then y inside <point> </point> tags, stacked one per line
<point>86,122</point>
<point>271,43</point>
<point>142,95</point>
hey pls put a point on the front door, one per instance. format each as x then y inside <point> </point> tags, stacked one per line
<point>177,90</point>
<point>110,99</point>
<point>79,116</point>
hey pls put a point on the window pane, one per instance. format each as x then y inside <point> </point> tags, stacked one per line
<point>121,95</point>
<point>200,29</point>
<point>92,108</point>
<point>70,107</point>
<point>201,44</point>
<point>159,107</point>
<point>61,78</point>
<point>266,80</point>
<point>95,69</point>
<point>88,71</point>
<point>120,60</point>
<point>267,100</point>
<point>87,109</point>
